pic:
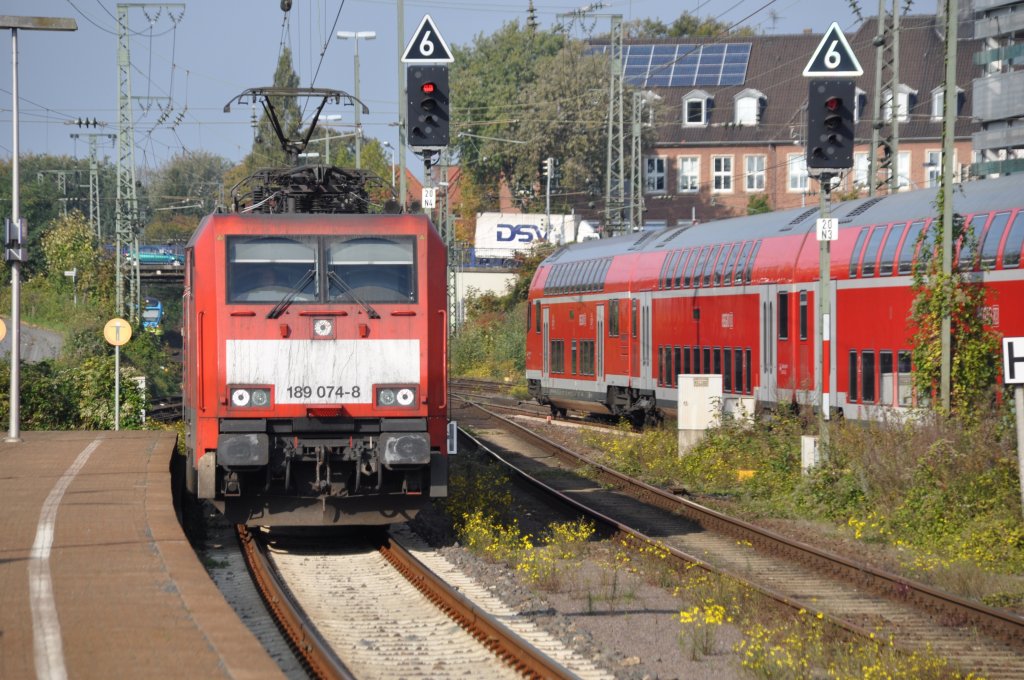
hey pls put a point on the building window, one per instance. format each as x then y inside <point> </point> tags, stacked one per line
<point>903,169</point>
<point>797,165</point>
<point>754,173</point>
<point>689,174</point>
<point>932,168</point>
<point>721,174</point>
<point>860,169</point>
<point>938,101</point>
<point>654,174</point>
<point>695,107</point>
<point>748,107</point>
<point>904,101</point>
<point>694,111</point>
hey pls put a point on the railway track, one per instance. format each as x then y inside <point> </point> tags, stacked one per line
<point>393,608</point>
<point>854,596</point>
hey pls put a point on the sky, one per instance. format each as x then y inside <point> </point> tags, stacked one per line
<point>190,59</point>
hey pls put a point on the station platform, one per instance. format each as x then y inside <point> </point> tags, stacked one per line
<point>97,579</point>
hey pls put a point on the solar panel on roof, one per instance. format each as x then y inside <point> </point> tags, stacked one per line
<point>683,65</point>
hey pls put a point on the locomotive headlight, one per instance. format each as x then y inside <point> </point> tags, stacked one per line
<point>249,397</point>
<point>396,396</point>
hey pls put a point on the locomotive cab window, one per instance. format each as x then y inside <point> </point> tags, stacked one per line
<point>372,269</point>
<point>265,269</point>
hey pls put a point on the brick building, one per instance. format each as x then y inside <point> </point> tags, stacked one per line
<point>729,118</point>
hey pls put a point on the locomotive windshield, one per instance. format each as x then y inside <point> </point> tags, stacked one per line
<point>372,269</point>
<point>352,269</point>
<point>265,269</point>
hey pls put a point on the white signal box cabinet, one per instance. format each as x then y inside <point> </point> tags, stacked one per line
<point>700,407</point>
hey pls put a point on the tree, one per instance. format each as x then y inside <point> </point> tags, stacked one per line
<point>686,25</point>
<point>974,347</point>
<point>190,183</point>
<point>266,148</point>
<point>490,87</point>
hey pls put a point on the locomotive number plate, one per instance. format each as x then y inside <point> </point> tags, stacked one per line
<point>339,392</point>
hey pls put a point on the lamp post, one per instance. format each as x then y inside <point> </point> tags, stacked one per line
<point>357,36</point>
<point>387,145</point>
<point>327,132</point>
<point>14,250</point>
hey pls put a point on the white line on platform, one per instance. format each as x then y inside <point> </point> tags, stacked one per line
<point>49,651</point>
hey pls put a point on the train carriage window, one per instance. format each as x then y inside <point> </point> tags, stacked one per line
<point>927,250</point>
<point>855,256</point>
<point>906,258</point>
<point>904,379</point>
<point>727,369</point>
<point>867,382</point>
<point>529,317</point>
<point>783,315</point>
<point>867,267</point>
<point>716,358</point>
<point>748,269</point>
<point>888,264</point>
<point>613,318</point>
<point>634,318</point>
<point>736,254</point>
<point>706,277</point>
<point>266,269</point>
<point>686,360</point>
<point>750,371</point>
<point>558,356</point>
<point>993,238</point>
<point>661,364</point>
<point>706,359</point>
<point>696,359</point>
<point>677,281</point>
<point>1014,241</point>
<point>886,377</point>
<point>965,256</point>
<point>676,366</point>
<point>739,370</point>
<point>851,393</point>
<point>722,261</point>
<point>696,263</point>
<point>803,315</point>
<point>589,276</point>
<point>667,267</point>
<point>587,357</point>
<point>372,269</point>
<point>572,360</point>
<point>536,315</point>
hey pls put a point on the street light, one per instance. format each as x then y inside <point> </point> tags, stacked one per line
<point>14,249</point>
<point>357,36</point>
<point>327,133</point>
<point>390,148</point>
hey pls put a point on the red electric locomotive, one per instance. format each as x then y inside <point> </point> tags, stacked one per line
<point>315,356</point>
<point>612,323</point>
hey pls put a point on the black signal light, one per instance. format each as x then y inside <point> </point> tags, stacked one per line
<point>428,106</point>
<point>830,139</point>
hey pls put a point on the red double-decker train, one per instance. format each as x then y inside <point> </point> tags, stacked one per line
<point>612,323</point>
<point>315,356</point>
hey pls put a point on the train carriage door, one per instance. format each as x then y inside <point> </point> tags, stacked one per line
<point>767,390</point>
<point>599,348</point>
<point>643,377</point>
<point>545,376</point>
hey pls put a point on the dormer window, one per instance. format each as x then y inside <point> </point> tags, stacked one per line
<point>861,101</point>
<point>695,108</point>
<point>938,102</point>
<point>905,96</point>
<point>749,103</point>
